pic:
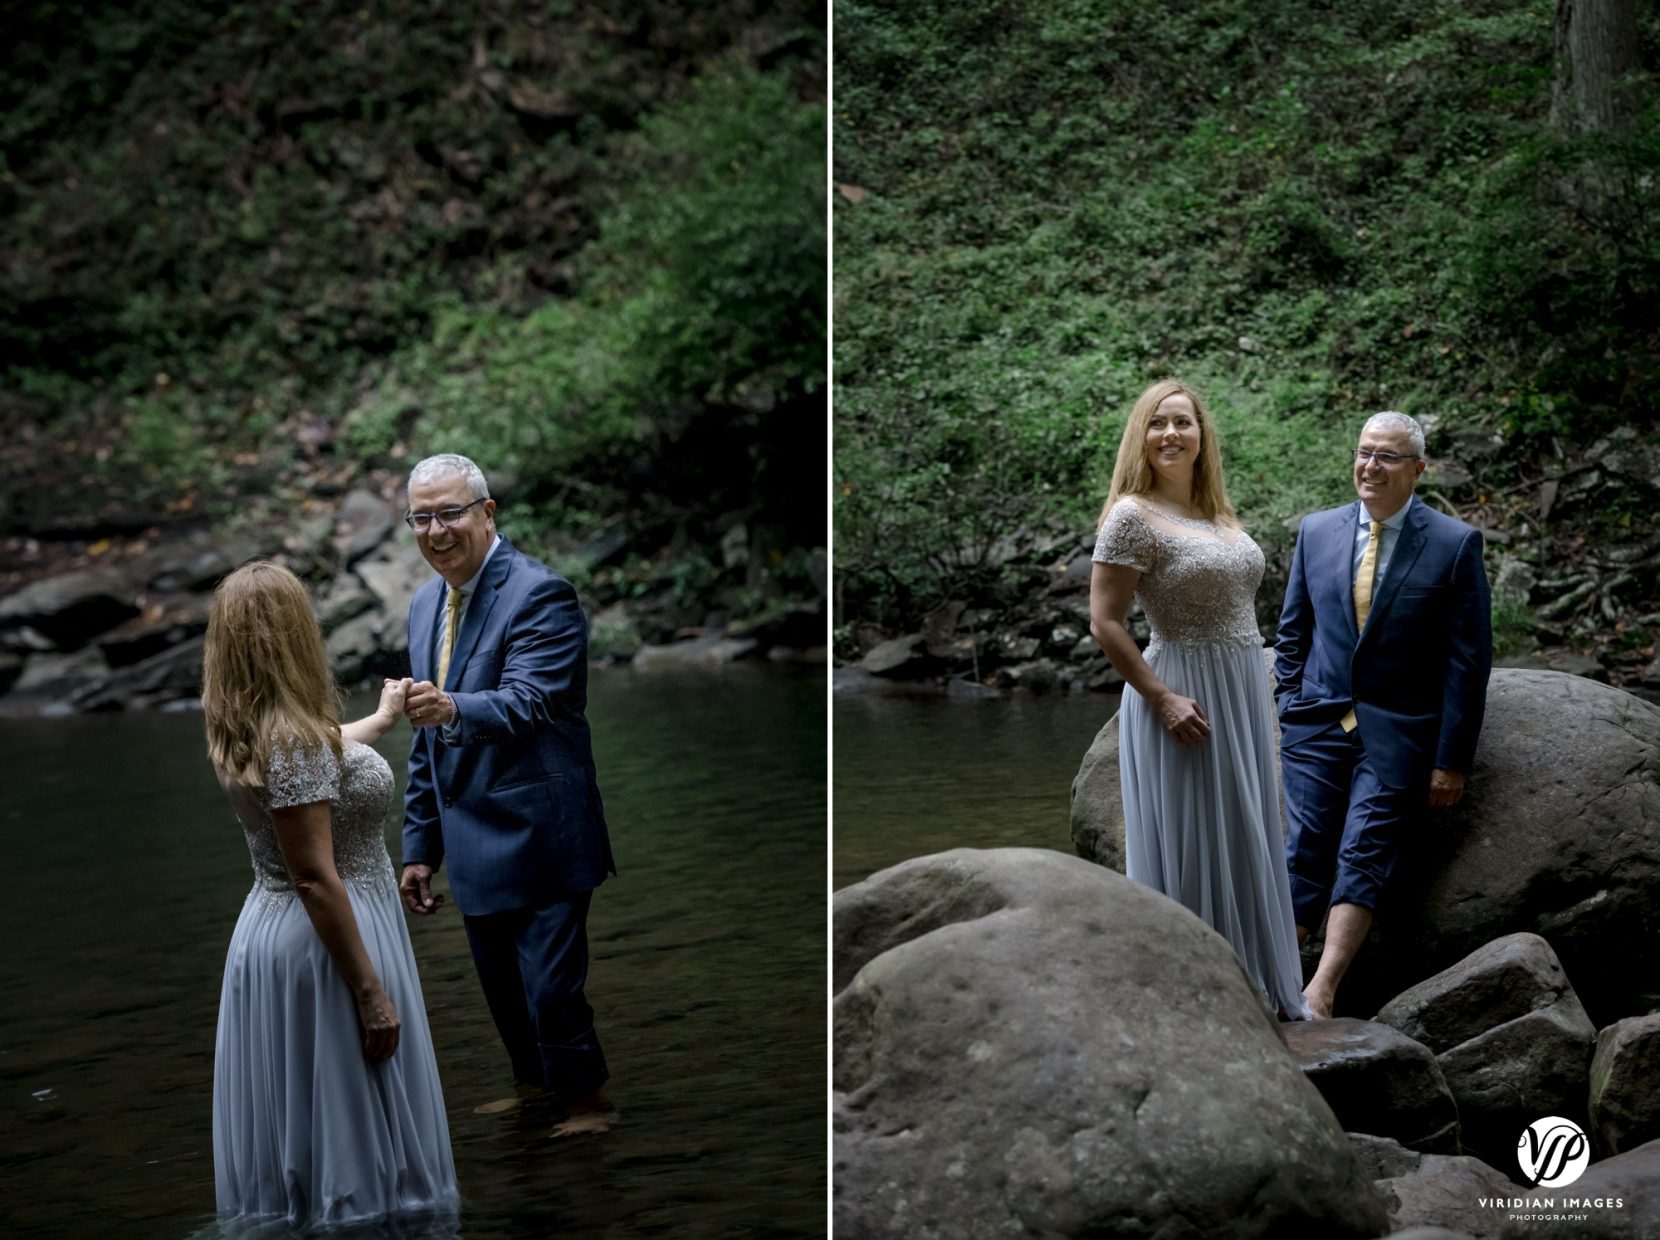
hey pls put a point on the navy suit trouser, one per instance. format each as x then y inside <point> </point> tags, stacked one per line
<point>533,963</point>
<point>1344,824</point>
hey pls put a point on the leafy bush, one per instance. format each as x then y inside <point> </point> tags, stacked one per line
<point>552,236</point>
<point>1309,212</point>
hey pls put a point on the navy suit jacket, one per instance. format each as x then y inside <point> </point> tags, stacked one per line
<point>1417,677</point>
<point>512,802</point>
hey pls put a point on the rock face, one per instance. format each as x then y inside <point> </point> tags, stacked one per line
<point>1029,1044</point>
<point>127,634</point>
<point>364,522</point>
<point>1445,1191</point>
<point>1558,834</point>
<point>1511,1037</point>
<point>1098,801</point>
<point>1632,1179</point>
<point>898,657</point>
<point>1625,1085</point>
<point>72,609</point>
<point>693,652</point>
<point>1377,1080</point>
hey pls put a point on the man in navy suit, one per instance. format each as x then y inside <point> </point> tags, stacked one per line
<point>1382,657</point>
<point>502,782</point>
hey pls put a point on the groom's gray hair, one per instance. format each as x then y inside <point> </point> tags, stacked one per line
<point>447,463</point>
<point>1395,422</point>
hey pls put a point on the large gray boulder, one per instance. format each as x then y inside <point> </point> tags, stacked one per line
<point>1028,1044</point>
<point>1616,1199</point>
<point>1625,1084</point>
<point>1559,834</point>
<point>694,652</point>
<point>1511,1037</point>
<point>1383,1157</point>
<point>1447,1191</point>
<point>898,656</point>
<point>364,522</point>
<point>393,574</point>
<point>1377,1080</point>
<point>72,608</point>
<point>353,646</point>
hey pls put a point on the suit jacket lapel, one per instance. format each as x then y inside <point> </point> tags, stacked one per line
<point>1346,570</point>
<point>478,611</point>
<point>423,629</point>
<point>1409,543</point>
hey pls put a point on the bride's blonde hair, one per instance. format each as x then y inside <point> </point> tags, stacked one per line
<point>1133,476</point>
<point>265,675</point>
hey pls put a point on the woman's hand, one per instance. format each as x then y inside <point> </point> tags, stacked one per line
<point>1183,718</point>
<point>391,699</point>
<point>380,1024</point>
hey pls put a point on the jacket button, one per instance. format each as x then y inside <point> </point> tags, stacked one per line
<point>448,802</point>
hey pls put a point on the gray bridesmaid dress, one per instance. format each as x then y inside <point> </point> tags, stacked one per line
<point>1202,822</point>
<point>305,1128</point>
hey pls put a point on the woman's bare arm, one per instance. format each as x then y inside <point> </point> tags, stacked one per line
<point>371,728</point>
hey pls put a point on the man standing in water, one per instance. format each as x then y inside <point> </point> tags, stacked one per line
<point>1384,647</point>
<point>502,783</point>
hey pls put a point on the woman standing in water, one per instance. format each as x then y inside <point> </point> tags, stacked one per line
<point>326,1102</point>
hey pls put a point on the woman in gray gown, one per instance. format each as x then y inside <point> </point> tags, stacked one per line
<point>326,1103</point>
<point>1196,727</point>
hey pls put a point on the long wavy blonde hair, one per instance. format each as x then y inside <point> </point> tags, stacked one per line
<point>1132,475</point>
<point>265,676</point>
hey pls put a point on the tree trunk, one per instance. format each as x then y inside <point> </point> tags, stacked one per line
<point>1596,46</point>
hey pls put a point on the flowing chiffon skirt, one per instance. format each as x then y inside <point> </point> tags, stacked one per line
<point>1202,822</point>
<point>304,1127</point>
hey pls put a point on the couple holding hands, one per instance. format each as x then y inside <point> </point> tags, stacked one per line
<point>1381,663</point>
<point>327,1107</point>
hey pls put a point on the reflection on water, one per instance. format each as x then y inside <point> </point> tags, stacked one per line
<point>920,775</point>
<point>125,871</point>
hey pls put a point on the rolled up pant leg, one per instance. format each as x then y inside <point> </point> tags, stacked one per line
<point>1372,831</point>
<point>1318,773</point>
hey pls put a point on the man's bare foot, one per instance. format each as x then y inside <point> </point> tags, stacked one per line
<point>588,1114</point>
<point>1319,1002</point>
<point>506,1106</point>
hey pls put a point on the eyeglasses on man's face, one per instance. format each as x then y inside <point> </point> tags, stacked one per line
<point>1387,459</point>
<point>449,518</point>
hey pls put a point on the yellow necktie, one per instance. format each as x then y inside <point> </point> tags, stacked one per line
<point>451,623</point>
<point>1363,596</point>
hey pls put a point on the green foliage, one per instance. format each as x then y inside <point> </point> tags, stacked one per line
<point>707,277</point>
<point>554,237</point>
<point>1309,212</point>
<point>728,223</point>
<point>1512,628</point>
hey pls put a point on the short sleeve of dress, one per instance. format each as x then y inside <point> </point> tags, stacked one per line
<point>1125,538</point>
<point>300,777</point>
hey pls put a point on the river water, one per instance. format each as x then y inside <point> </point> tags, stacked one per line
<point>918,775</point>
<point>125,871</point>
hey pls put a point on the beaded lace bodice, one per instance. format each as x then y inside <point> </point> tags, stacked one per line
<point>358,789</point>
<point>1199,580</point>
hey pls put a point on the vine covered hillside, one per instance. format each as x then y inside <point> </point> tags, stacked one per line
<point>1308,211</point>
<point>253,255</point>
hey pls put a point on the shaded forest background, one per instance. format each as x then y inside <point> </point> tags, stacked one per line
<point>253,255</point>
<point>1310,211</point>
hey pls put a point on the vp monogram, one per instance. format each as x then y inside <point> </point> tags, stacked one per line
<point>1553,1152</point>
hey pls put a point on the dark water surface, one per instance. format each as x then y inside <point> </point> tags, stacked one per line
<point>919,775</point>
<point>124,873</point>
